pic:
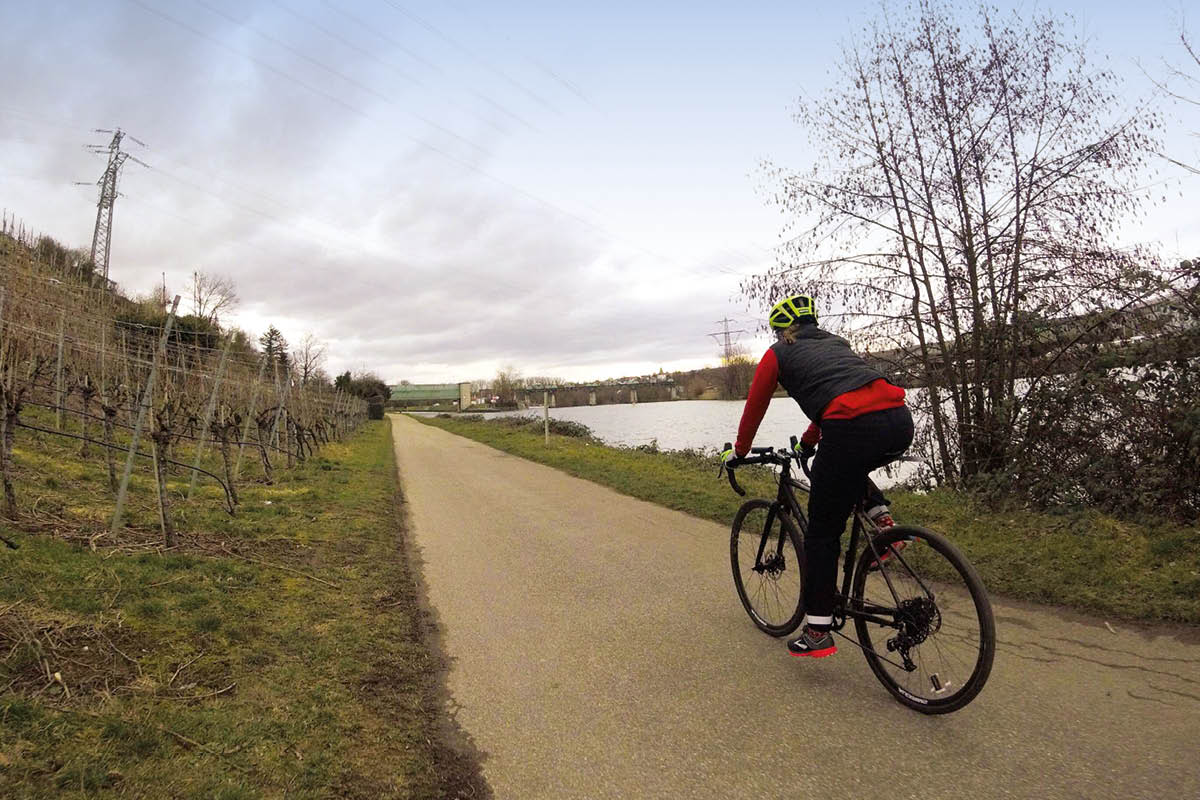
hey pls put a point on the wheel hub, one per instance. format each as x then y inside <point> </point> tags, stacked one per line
<point>773,565</point>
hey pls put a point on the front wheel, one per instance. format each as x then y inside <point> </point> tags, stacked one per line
<point>936,652</point>
<point>768,566</point>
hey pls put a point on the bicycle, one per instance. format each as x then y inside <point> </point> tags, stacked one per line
<point>924,604</point>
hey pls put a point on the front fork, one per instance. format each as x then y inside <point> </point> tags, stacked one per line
<point>772,512</point>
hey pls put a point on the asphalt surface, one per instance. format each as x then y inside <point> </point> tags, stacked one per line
<point>600,651</point>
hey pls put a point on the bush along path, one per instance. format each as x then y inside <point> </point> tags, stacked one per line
<point>1084,559</point>
<point>281,652</point>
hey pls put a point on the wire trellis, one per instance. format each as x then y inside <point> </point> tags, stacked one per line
<point>110,378</point>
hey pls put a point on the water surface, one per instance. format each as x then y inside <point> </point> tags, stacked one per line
<point>687,424</point>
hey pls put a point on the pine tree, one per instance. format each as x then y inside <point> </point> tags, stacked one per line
<point>274,346</point>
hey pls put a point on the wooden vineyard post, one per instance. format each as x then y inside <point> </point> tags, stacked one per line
<point>108,410</point>
<point>221,427</point>
<point>237,467</point>
<point>289,421</point>
<point>6,421</point>
<point>278,406</point>
<point>58,374</point>
<point>143,408</point>
<point>164,521</point>
<point>208,415</point>
<point>125,366</point>
<point>336,415</point>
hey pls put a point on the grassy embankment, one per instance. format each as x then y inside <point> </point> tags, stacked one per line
<point>1082,559</point>
<point>281,652</point>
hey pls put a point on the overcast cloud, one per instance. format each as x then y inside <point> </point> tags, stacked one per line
<point>435,189</point>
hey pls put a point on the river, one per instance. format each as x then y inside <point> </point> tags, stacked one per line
<point>688,424</point>
<point>679,425</point>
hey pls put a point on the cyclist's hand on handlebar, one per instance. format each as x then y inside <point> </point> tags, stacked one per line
<point>804,450</point>
<point>727,455</point>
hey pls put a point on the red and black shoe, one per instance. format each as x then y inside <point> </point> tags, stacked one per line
<point>882,518</point>
<point>813,644</point>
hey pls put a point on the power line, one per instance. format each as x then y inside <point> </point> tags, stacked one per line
<point>463,163</point>
<point>341,75</point>
<point>429,26</point>
<point>391,40</point>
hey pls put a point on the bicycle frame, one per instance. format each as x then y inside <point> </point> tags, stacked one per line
<point>786,502</point>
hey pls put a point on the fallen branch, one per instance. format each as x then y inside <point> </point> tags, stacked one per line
<point>209,694</point>
<point>161,729</point>
<point>184,666</point>
<point>280,566</point>
<point>118,650</point>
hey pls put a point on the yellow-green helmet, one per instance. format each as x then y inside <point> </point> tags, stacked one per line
<point>797,308</point>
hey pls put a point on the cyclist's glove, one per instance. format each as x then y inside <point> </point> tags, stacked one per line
<point>805,450</point>
<point>728,455</point>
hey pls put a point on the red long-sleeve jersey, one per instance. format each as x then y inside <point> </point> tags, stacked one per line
<point>875,396</point>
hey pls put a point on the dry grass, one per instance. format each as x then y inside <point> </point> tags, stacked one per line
<point>279,652</point>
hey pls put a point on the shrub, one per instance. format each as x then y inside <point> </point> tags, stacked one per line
<point>1125,440</point>
<point>559,427</point>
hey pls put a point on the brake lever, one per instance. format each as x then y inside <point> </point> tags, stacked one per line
<point>804,459</point>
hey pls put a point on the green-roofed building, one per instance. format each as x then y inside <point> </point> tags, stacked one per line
<point>426,395</point>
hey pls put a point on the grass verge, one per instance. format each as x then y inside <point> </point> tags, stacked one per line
<point>1082,559</point>
<point>280,652</point>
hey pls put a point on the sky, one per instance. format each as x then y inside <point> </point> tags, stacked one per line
<point>438,190</point>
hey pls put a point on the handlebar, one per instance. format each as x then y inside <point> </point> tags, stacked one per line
<point>763,455</point>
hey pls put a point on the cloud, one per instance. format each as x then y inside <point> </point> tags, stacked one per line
<point>335,209</point>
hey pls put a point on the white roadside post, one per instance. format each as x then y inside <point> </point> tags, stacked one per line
<point>546,412</point>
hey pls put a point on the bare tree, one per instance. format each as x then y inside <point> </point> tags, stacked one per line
<point>212,295</point>
<point>309,358</point>
<point>737,371</point>
<point>506,384</point>
<point>973,174</point>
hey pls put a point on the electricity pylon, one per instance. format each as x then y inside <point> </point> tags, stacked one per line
<point>102,237</point>
<point>728,352</point>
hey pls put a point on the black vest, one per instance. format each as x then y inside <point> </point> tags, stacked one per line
<point>818,367</point>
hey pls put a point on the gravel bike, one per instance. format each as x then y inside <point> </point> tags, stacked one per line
<point>921,615</point>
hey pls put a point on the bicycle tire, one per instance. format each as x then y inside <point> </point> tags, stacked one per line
<point>775,600</point>
<point>930,560</point>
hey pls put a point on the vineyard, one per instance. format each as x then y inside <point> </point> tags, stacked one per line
<point>201,589</point>
<point>171,408</point>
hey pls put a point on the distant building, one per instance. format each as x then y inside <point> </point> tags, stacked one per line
<point>431,395</point>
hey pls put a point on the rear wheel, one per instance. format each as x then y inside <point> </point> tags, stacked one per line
<point>768,567</point>
<point>938,654</point>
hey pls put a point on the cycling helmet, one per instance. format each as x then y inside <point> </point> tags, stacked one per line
<point>787,312</point>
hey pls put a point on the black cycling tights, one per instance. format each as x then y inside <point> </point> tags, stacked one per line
<point>850,449</point>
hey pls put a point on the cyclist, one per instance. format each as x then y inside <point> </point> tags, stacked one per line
<point>862,423</point>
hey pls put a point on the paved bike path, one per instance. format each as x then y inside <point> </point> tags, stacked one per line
<point>600,651</point>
